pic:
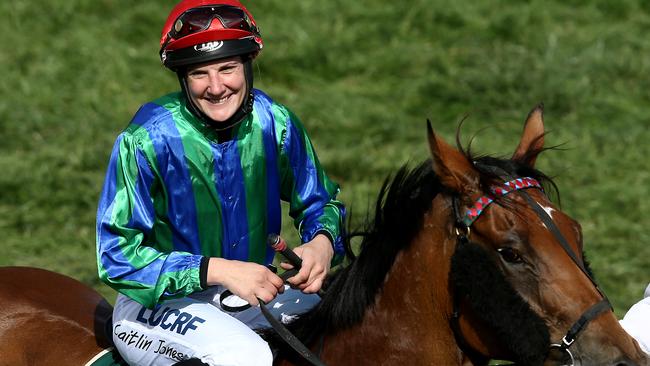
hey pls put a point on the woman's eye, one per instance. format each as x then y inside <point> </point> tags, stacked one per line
<point>196,75</point>
<point>509,255</point>
<point>229,69</point>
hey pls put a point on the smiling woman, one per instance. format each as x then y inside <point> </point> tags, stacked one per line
<point>217,88</point>
<point>194,188</point>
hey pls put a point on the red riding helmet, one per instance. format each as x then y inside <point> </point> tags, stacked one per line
<point>199,31</point>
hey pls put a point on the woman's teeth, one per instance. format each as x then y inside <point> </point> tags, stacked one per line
<point>218,101</point>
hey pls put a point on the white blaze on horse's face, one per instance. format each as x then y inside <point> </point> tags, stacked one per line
<point>549,211</point>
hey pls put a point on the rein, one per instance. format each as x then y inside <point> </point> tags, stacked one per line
<point>289,338</point>
<point>463,224</point>
<point>279,245</point>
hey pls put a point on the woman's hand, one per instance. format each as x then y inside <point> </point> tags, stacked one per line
<point>244,279</point>
<point>316,258</point>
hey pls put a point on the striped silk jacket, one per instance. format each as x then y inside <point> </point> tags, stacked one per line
<point>175,195</point>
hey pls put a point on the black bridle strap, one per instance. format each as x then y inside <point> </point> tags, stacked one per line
<point>595,310</point>
<point>550,225</point>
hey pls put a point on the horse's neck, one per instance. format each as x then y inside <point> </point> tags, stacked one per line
<point>409,322</point>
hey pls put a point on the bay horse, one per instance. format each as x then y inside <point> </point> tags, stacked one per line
<point>466,260</point>
<point>444,277</point>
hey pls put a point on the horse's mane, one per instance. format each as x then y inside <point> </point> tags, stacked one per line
<point>403,200</point>
<point>398,217</point>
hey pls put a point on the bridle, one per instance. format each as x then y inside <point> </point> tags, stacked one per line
<point>462,230</point>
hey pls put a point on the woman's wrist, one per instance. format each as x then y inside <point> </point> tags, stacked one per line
<point>215,271</point>
<point>325,244</point>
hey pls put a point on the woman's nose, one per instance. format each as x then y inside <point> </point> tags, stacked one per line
<point>215,85</point>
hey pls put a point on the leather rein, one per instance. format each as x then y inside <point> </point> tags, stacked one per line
<point>462,229</point>
<point>279,246</point>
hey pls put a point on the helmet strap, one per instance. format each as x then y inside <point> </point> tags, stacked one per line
<point>244,109</point>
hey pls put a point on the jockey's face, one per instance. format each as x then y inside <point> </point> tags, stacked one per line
<point>217,88</point>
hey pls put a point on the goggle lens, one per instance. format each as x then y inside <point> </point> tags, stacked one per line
<point>199,19</point>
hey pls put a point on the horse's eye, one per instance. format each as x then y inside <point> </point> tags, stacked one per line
<point>510,255</point>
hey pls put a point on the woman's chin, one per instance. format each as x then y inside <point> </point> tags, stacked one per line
<point>219,115</point>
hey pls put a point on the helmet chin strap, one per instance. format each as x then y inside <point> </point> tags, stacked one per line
<point>244,109</point>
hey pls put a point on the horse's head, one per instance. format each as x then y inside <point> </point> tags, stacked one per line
<point>522,288</point>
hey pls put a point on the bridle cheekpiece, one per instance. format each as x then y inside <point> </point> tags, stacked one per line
<point>462,229</point>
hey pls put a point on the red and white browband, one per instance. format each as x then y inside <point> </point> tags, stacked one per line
<point>475,211</point>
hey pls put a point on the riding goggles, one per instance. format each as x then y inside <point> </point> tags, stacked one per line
<point>199,19</point>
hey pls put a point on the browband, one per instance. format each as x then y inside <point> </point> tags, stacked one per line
<point>475,211</point>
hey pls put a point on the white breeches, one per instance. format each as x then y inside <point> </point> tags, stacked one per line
<point>197,327</point>
<point>637,322</point>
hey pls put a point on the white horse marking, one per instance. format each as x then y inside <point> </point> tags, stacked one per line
<point>549,212</point>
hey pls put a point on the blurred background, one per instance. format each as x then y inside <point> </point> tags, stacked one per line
<point>363,76</point>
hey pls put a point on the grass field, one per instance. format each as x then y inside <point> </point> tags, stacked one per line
<point>363,76</point>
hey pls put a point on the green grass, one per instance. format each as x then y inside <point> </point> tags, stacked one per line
<point>363,76</point>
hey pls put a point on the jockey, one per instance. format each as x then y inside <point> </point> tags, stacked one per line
<point>194,187</point>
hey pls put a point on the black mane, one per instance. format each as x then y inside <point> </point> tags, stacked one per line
<point>400,208</point>
<point>350,291</point>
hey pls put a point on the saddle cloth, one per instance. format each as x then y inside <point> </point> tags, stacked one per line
<point>107,357</point>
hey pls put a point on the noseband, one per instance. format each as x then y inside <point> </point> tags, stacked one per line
<point>464,222</point>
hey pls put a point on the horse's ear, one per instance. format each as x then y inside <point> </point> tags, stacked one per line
<point>532,140</point>
<point>449,164</point>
